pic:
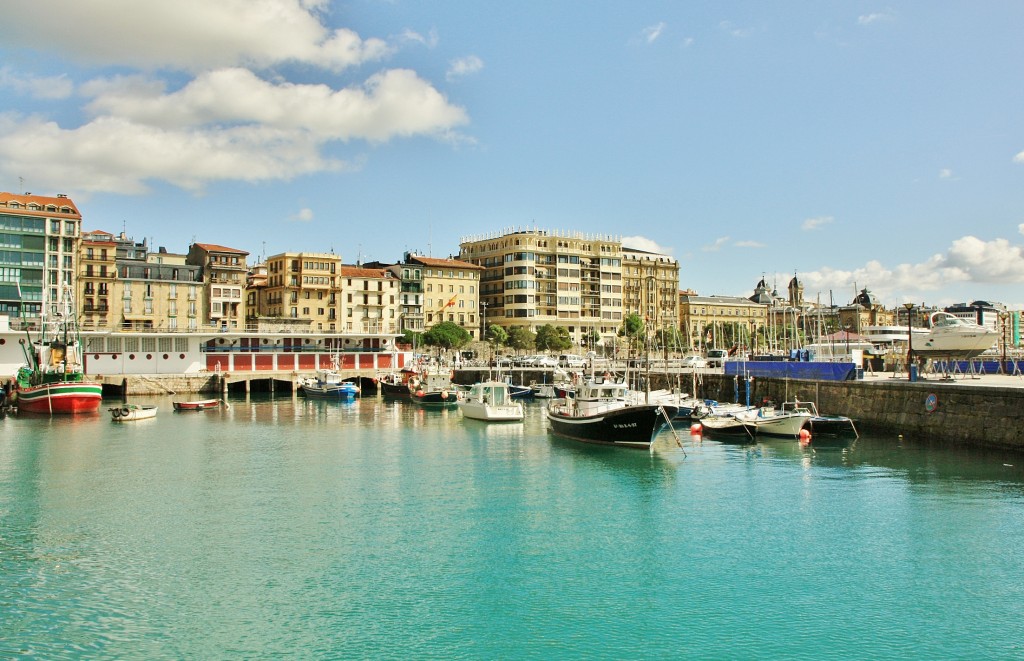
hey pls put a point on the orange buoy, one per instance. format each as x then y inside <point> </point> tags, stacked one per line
<point>444,394</point>
<point>805,435</point>
<point>696,428</point>
<point>419,393</point>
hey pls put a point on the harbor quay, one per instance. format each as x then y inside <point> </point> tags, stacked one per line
<point>975,410</point>
<point>983,411</point>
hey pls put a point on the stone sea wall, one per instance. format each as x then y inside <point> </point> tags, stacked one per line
<point>979,416</point>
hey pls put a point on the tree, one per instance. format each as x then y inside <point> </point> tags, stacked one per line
<point>412,338</point>
<point>446,335</point>
<point>521,338</point>
<point>497,336</point>
<point>554,338</point>
<point>632,328</point>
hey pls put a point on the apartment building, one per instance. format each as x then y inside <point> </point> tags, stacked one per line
<point>450,291</point>
<point>39,240</point>
<point>721,321</point>
<point>224,276</point>
<point>650,287</point>
<point>300,287</point>
<point>563,278</point>
<point>369,301</point>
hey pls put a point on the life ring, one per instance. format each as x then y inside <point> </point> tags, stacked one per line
<point>115,412</point>
<point>413,382</point>
<point>125,411</point>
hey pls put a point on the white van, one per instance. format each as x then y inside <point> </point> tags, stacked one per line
<point>571,361</point>
<point>717,357</point>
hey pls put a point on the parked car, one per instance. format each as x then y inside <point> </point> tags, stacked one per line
<point>544,361</point>
<point>694,361</point>
<point>717,357</point>
<point>571,361</point>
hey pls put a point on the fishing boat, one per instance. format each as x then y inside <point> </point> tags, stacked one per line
<point>53,379</point>
<point>329,384</point>
<point>953,337</point>
<point>395,384</point>
<point>601,414</point>
<point>197,405</point>
<point>491,401</point>
<point>132,412</point>
<point>434,388</point>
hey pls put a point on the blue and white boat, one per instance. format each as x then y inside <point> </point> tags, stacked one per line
<point>329,384</point>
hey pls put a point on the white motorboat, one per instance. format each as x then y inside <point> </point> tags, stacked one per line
<point>769,421</point>
<point>953,337</point>
<point>491,401</point>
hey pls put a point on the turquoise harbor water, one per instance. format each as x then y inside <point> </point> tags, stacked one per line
<point>379,530</point>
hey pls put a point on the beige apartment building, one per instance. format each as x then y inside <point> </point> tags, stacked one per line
<point>224,276</point>
<point>536,277</point>
<point>650,287</point>
<point>721,321</point>
<point>124,286</point>
<point>450,292</point>
<point>369,301</point>
<point>299,288</point>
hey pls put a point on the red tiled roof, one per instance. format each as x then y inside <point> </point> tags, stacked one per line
<point>41,200</point>
<point>213,247</point>
<point>359,272</point>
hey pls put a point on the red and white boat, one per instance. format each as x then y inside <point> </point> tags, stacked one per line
<point>53,380</point>
<point>197,405</point>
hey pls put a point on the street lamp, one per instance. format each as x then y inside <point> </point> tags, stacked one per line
<point>1003,314</point>
<point>910,342</point>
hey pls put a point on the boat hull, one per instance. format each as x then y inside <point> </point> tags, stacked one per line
<point>339,391</point>
<point>394,390</point>
<point>630,426</point>
<point>491,413</point>
<point>132,413</point>
<point>439,398</point>
<point>71,397</point>
<point>200,405</point>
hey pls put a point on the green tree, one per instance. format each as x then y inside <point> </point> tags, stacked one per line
<point>521,338</point>
<point>632,328</point>
<point>553,338</point>
<point>412,338</point>
<point>497,336</point>
<point>446,335</point>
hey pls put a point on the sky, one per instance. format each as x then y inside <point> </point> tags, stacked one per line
<point>857,144</point>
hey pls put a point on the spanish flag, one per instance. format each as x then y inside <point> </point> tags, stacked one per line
<point>450,303</point>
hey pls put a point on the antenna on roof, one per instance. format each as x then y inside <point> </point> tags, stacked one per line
<point>21,184</point>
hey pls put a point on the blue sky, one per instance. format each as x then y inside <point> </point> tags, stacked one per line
<point>856,144</point>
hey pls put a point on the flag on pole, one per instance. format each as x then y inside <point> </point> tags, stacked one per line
<point>450,303</point>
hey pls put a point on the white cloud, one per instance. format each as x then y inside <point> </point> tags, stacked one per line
<point>49,88</point>
<point>643,243</point>
<point>749,244</point>
<point>717,245</point>
<point>1019,158</point>
<point>187,34</point>
<point>115,155</point>
<point>303,215</point>
<point>876,17</point>
<point>968,261</point>
<point>430,41</point>
<point>945,173</point>
<point>464,66</point>
<point>391,103</point>
<point>734,31</point>
<point>817,222</point>
<point>1020,228</point>
<point>651,33</point>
